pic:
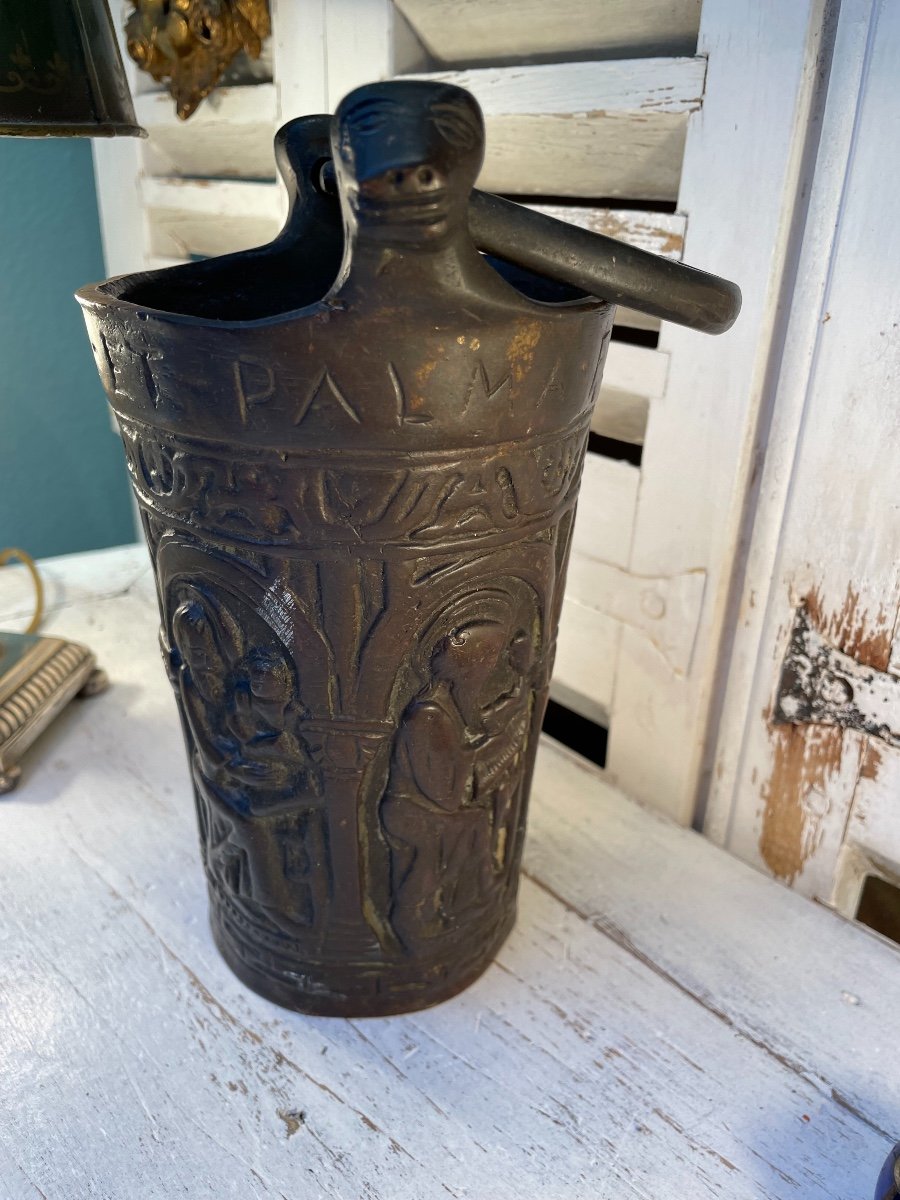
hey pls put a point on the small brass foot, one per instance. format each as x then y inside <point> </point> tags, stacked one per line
<point>9,777</point>
<point>97,682</point>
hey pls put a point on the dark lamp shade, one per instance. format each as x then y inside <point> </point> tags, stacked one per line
<point>61,73</point>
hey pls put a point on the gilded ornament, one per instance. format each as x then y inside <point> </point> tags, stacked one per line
<point>189,43</point>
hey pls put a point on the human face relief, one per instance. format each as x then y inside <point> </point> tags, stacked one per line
<point>270,687</point>
<point>512,673</point>
<point>409,154</point>
<point>466,660</point>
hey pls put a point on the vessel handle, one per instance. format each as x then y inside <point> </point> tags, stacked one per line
<point>603,266</point>
<point>599,265</point>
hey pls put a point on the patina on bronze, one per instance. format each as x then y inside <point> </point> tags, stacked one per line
<point>357,460</point>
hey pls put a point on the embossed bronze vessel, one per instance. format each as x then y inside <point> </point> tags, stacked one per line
<point>357,453</point>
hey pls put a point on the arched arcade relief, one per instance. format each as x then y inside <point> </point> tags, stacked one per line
<point>259,791</point>
<point>241,699</point>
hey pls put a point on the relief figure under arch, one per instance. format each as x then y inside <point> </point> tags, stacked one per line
<point>452,804</point>
<point>259,792</point>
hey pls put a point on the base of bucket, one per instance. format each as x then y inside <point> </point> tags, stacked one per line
<point>380,992</point>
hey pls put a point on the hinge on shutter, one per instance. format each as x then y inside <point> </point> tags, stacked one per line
<point>821,685</point>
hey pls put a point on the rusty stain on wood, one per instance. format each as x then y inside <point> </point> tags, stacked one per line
<point>851,630</point>
<point>795,795</point>
<point>647,230</point>
<point>805,757</point>
<point>615,226</point>
<point>871,761</point>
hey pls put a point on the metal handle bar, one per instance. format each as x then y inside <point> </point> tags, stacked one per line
<point>602,265</point>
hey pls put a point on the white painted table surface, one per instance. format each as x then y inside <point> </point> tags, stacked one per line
<point>663,1022</point>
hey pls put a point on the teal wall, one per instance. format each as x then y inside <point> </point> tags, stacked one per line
<point>63,485</point>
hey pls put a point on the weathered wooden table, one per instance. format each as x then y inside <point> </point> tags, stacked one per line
<point>664,1022</point>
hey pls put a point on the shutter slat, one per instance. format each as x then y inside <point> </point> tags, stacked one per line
<point>585,128</point>
<point>634,376</point>
<point>210,217</point>
<point>229,135</point>
<point>588,639</point>
<point>503,30</point>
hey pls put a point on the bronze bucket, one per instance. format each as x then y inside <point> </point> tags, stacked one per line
<point>357,453</point>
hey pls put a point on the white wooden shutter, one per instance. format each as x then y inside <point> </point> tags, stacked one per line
<point>608,115</point>
<point>818,806</point>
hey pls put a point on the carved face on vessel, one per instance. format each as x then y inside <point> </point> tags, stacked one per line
<point>269,686</point>
<point>407,155</point>
<point>465,659</point>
